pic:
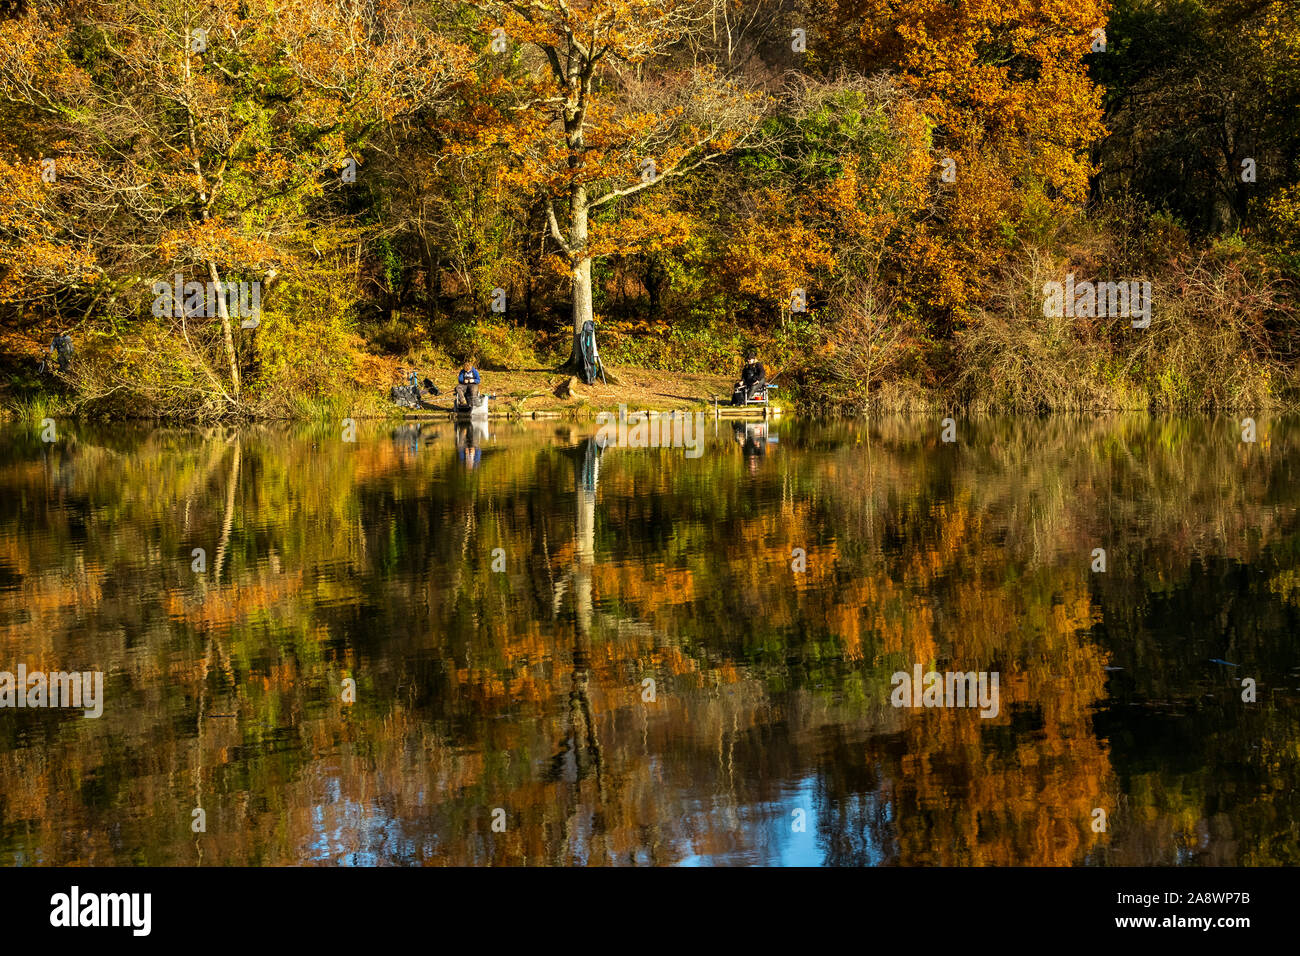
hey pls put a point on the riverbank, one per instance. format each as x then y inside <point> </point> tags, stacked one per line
<point>1188,360</point>
<point>521,392</point>
<point>517,393</point>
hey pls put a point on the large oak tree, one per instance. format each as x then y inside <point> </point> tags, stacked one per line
<point>613,111</point>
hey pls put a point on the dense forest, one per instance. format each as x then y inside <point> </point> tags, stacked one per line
<point>875,194</point>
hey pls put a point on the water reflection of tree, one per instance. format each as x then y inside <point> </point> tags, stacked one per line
<point>347,558</point>
<point>579,752</point>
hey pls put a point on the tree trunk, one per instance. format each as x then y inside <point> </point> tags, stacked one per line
<point>582,291</point>
<point>652,282</point>
<point>432,284</point>
<point>579,256</point>
<point>536,255</point>
<point>581,313</point>
<point>582,310</point>
<point>226,331</point>
<point>581,305</point>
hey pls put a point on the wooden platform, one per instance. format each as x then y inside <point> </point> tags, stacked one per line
<point>445,415</point>
<point>747,412</point>
<point>762,412</point>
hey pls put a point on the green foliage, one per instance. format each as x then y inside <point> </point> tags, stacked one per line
<point>304,343</point>
<point>815,144</point>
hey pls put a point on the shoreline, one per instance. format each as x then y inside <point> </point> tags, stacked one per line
<point>517,394</point>
<point>542,394</point>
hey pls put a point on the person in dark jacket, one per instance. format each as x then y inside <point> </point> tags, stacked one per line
<point>753,381</point>
<point>467,388</point>
<point>61,349</point>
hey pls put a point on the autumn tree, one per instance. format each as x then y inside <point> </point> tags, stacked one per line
<point>1006,87</point>
<point>207,136</point>
<point>610,112</point>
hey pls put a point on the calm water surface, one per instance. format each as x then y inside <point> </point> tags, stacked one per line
<point>502,599</point>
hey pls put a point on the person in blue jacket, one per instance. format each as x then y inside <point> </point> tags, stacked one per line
<point>467,389</point>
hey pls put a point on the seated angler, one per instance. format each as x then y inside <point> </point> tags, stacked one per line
<point>467,388</point>
<point>753,381</point>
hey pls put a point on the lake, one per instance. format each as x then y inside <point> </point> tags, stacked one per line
<point>515,644</point>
